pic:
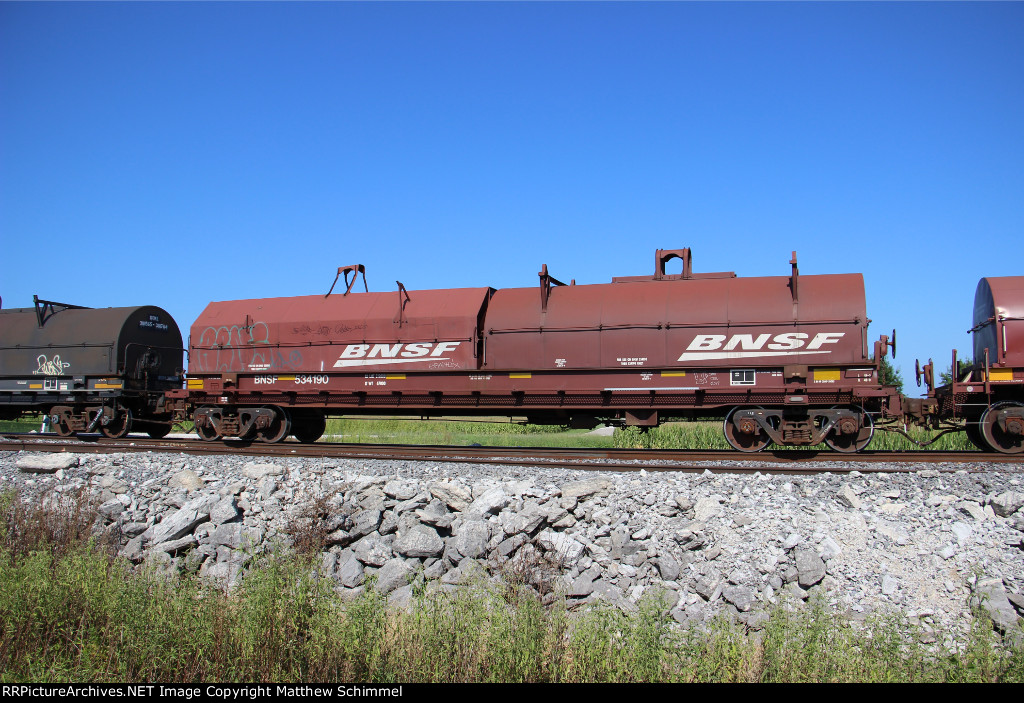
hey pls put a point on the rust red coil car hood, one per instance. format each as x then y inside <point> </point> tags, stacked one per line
<point>654,323</point>
<point>311,333</point>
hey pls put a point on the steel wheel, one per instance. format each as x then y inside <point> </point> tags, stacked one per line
<point>208,432</point>
<point>278,429</point>
<point>119,426</point>
<point>753,441</point>
<point>973,430</point>
<point>850,442</point>
<point>1009,440</point>
<point>59,421</point>
<point>309,428</point>
<point>158,431</point>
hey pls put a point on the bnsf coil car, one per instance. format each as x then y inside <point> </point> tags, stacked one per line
<point>89,369</point>
<point>786,357</point>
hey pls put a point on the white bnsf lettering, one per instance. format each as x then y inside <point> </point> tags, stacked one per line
<point>354,351</point>
<point>444,348</point>
<point>824,338</point>
<point>260,380</point>
<point>377,354</point>
<point>742,346</point>
<point>417,349</point>
<point>746,341</point>
<point>787,341</point>
<point>707,341</point>
<point>388,351</point>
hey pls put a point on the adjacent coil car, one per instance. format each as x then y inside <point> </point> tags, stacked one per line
<point>90,369</point>
<point>987,398</point>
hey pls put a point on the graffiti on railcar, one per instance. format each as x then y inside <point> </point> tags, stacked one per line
<point>243,348</point>
<point>306,330</point>
<point>50,367</point>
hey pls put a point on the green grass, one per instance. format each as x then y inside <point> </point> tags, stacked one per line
<point>85,618</point>
<point>698,434</point>
<point>708,435</point>
<point>670,435</point>
<point>458,433</point>
<point>24,424</point>
<point>70,611</point>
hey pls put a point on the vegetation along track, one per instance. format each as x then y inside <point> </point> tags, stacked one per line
<point>779,461</point>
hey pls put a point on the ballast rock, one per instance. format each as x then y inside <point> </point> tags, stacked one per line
<point>47,463</point>
<point>706,543</point>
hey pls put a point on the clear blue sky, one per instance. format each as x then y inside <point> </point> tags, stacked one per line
<point>173,154</point>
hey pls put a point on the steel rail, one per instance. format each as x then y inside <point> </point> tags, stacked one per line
<point>781,461</point>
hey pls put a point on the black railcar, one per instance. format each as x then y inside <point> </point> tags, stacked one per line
<point>104,369</point>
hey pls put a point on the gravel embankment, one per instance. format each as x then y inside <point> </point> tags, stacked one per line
<point>926,544</point>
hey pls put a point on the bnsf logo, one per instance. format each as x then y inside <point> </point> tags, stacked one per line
<point>375,354</point>
<point>739,346</point>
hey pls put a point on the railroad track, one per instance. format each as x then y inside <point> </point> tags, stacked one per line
<point>778,461</point>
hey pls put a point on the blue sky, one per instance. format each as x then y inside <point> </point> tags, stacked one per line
<point>177,153</point>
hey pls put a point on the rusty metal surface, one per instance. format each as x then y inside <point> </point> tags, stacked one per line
<point>999,320</point>
<point>596,390</point>
<point>680,323</point>
<point>637,349</point>
<point>360,332</point>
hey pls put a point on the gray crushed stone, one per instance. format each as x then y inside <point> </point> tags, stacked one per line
<point>929,544</point>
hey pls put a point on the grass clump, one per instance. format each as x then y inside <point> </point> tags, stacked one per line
<point>479,634</point>
<point>57,523</point>
<point>709,435</point>
<point>26,423</point>
<point>309,528</point>
<point>497,433</point>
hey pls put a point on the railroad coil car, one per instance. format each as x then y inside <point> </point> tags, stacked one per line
<point>987,398</point>
<point>786,357</point>
<point>87,369</point>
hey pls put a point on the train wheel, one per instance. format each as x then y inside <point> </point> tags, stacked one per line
<point>754,440</point>
<point>119,426</point>
<point>309,428</point>
<point>852,441</point>
<point>973,430</point>
<point>204,428</point>
<point>158,431</point>
<point>207,434</point>
<point>1008,439</point>
<point>278,429</point>
<point>60,421</point>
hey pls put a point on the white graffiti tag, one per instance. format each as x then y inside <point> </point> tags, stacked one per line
<point>50,367</point>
